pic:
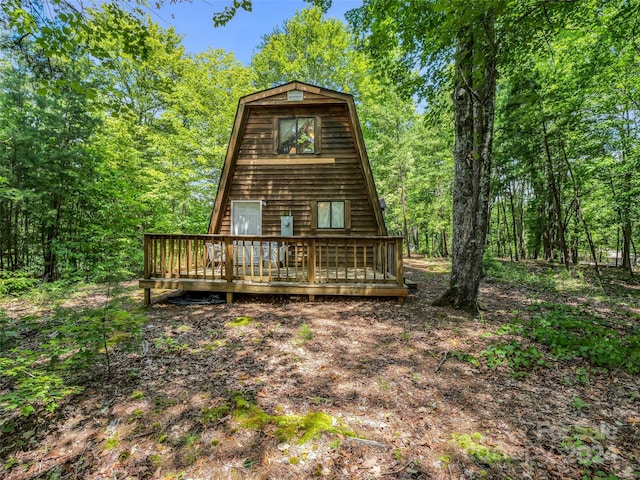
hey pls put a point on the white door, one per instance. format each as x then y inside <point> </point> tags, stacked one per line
<point>246,218</point>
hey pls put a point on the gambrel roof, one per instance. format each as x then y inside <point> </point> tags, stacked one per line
<point>280,96</point>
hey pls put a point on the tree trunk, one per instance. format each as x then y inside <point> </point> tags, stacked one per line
<point>444,249</point>
<point>580,214</point>
<point>556,199</point>
<point>514,225</point>
<point>50,236</point>
<point>617,245</point>
<point>474,104</point>
<point>506,229</point>
<point>523,241</point>
<point>498,237</point>
<point>626,226</point>
<point>405,229</point>
<point>626,246</point>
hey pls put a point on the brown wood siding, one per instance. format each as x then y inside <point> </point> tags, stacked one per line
<point>294,187</point>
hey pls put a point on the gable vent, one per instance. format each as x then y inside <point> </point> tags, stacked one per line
<point>295,95</point>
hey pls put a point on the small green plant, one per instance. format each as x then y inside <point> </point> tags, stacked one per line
<point>12,462</point>
<point>111,443</point>
<point>578,403</point>
<point>582,375</point>
<point>9,332</point>
<point>213,346</point>
<point>585,445</point>
<point>383,384</point>
<point>473,445</point>
<point>415,378</point>
<point>521,360</point>
<point>209,415</point>
<point>304,333</point>
<point>600,475</point>
<point>169,344</point>
<point>137,395</point>
<point>322,401</point>
<point>465,357</point>
<point>189,442</point>
<point>397,454</point>
<point>405,336</point>
<point>135,415</point>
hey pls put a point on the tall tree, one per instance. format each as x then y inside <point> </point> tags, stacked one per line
<point>312,49</point>
<point>477,37</point>
<point>428,34</point>
<point>567,128</point>
<point>46,157</point>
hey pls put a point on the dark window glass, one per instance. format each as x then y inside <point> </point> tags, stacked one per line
<point>296,135</point>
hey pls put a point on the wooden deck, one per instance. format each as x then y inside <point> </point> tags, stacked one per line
<point>369,266</point>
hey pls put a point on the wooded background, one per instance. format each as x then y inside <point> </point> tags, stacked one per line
<point>108,130</point>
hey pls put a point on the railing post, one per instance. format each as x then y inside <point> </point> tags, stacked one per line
<point>146,270</point>
<point>311,265</point>
<point>163,257</point>
<point>228,265</point>
<point>399,265</point>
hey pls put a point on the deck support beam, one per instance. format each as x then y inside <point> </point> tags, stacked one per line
<point>147,297</point>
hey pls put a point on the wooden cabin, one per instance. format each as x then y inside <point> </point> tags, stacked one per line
<point>296,210</point>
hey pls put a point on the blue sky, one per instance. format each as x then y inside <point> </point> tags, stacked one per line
<point>243,34</point>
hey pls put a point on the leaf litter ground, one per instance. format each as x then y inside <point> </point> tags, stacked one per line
<point>281,388</point>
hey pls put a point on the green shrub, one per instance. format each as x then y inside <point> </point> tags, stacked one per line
<point>520,359</point>
<point>571,332</point>
<point>64,344</point>
<point>568,333</point>
<point>15,283</point>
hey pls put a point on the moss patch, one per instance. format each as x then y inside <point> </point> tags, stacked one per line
<point>472,444</point>
<point>239,322</point>
<point>286,428</point>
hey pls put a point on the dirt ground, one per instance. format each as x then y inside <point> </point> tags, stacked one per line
<point>281,388</point>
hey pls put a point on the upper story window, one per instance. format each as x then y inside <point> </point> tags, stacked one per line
<point>297,135</point>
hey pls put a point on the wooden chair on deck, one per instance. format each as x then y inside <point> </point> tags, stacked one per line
<point>215,255</point>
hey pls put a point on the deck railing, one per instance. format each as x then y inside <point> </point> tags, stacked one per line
<point>268,259</point>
